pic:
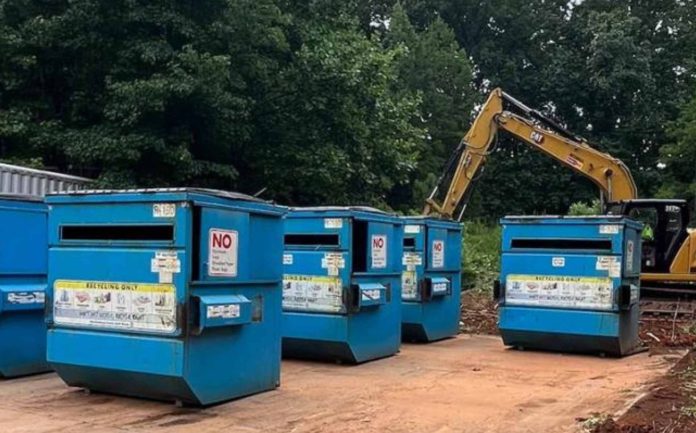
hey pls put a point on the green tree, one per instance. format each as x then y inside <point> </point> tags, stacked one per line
<point>432,64</point>
<point>134,92</point>
<point>679,156</point>
<point>336,131</point>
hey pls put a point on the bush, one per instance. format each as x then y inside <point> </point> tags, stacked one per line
<point>580,208</point>
<point>481,255</point>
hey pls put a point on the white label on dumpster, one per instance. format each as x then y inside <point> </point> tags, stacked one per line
<point>165,261</point>
<point>333,223</point>
<point>229,311</point>
<point>611,264</point>
<point>558,262</point>
<point>438,254</point>
<point>333,261</point>
<point>409,285</point>
<point>594,293</point>
<point>379,251</point>
<point>222,253</point>
<point>411,228</point>
<point>370,295</point>
<point>287,259</point>
<point>26,298</point>
<point>312,293</point>
<point>411,260</point>
<point>629,256</point>
<point>164,210</point>
<point>115,305</point>
<point>609,229</point>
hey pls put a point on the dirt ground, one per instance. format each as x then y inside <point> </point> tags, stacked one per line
<point>669,407</point>
<point>467,384</point>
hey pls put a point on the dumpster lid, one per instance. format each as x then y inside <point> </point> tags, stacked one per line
<point>215,192</point>
<point>20,197</point>
<point>566,217</point>
<point>339,208</point>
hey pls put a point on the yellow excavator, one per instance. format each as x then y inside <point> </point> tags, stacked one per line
<point>669,249</point>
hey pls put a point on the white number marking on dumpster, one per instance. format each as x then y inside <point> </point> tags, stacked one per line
<point>333,223</point>
<point>164,210</point>
<point>379,251</point>
<point>222,253</point>
<point>438,254</point>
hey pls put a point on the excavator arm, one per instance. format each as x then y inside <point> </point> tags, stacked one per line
<point>543,134</point>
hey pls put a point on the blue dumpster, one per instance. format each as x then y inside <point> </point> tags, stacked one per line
<point>341,284</point>
<point>431,279</point>
<point>570,284</point>
<point>170,294</point>
<point>22,285</point>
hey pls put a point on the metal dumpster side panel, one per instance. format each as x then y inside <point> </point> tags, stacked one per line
<point>23,267</point>
<point>571,322</point>
<point>201,361</point>
<point>436,318</point>
<point>343,334</point>
<point>136,353</point>
<point>249,355</point>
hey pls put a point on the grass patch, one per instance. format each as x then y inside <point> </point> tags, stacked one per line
<point>481,255</point>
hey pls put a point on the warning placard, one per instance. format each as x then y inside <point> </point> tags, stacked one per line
<point>312,293</point>
<point>115,305</point>
<point>379,251</point>
<point>438,254</point>
<point>560,291</point>
<point>222,253</point>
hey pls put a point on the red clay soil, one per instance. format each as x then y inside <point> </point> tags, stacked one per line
<point>668,408</point>
<point>666,332</point>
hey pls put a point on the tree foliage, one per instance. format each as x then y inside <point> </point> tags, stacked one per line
<point>359,101</point>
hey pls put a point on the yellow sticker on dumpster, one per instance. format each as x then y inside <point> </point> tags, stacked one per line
<point>560,291</point>
<point>115,305</point>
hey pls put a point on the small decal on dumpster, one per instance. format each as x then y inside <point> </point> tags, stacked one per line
<point>558,262</point>
<point>411,228</point>
<point>411,260</point>
<point>409,285</point>
<point>609,229</point>
<point>611,264</point>
<point>629,256</point>
<point>26,298</point>
<point>229,311</point>
<point>115,305</point>
<point>164,210</point>
<point>222,253</point>
<point>333,223</point>
<point>287,259</point>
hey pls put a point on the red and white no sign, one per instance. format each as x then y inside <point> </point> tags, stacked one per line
<point>222,253</point>
<point>438,254</point>
<point>379,251</point>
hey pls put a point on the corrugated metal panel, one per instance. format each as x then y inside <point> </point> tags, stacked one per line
<point>28,181</point>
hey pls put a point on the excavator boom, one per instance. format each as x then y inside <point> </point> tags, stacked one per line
<point>543,134</point>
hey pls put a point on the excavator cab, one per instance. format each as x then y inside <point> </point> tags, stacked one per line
<point>665,229</point>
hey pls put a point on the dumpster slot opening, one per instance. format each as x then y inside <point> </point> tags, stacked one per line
<point>359,253</point>
<point>563,244</point>
<point>410,242</point>
<point>311,239</point>
<point>117,232</point>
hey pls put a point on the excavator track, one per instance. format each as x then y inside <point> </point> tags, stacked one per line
<point>679,308</point>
